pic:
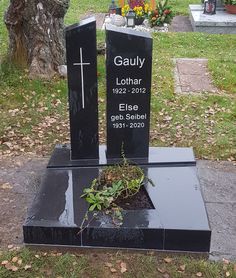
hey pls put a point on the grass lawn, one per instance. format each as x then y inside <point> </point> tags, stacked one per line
<point>25,263</point>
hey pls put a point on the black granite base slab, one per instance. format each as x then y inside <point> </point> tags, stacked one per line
<point>178,222</point>
<point>158,156</point>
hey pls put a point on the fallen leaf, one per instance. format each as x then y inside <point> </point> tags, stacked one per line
<point>14,268</point>
<point>14,259</point>
<point>8,266</point>
<point>19,262</point>
<point>168,260</point>
<point>11,267</point>
<point>4,262</point>
<point>225,261</point>
<point>166,275</point>
<point>182,267</point>
<point>227,274</point>
<point>123,267</point>
<point>27,266</point>
<point>199,274</point>
<point>108,264</point>
<point>113,270</point>
<point>161,270</point>
<point>37,256</point>
<point>6,186</point>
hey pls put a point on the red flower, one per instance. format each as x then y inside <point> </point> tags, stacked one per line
<point>136,3</point>
<point>155,13</point>
<point>167,11</point>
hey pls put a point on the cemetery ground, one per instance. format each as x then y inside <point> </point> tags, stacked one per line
<point>34,118</point>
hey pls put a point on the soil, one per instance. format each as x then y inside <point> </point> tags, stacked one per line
<point>140,200</point>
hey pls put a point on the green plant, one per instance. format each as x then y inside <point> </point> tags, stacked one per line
<point>118,181</point>
<point>230,2</point>
<point>162,14</point>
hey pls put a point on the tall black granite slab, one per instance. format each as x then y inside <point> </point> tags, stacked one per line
<point>81,53</point>
<point>178,221</point>
<point>129,71</point>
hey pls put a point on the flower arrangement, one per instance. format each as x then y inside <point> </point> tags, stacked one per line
<point>140,8</point>
<point>162,14</point>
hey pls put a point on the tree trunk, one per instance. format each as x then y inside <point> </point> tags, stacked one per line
<point>36,35</point>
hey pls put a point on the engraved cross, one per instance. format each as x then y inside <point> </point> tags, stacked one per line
<point>82,64</point>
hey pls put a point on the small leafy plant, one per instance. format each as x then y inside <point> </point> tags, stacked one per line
<point>114,182</point>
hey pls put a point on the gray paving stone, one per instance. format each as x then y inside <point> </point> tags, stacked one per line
<point>192,76</point>
<point>100,17</point>
<point>181,24</point>
<point>192,66</point>
<point>218,183</point>
<point>222,220</point>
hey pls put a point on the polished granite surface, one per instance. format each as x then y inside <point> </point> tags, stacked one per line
<point>178,222</point>
<point>158,156</point>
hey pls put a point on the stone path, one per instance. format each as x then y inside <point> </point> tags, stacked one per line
<point>20,178</point>
<point>192,76</point>
<point>181,24</point>
<point>100,17</point>
<point>218,183</point>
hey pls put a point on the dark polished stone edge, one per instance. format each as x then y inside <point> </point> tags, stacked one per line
<point>151,238</point>
<point>51,235</point>
<point>61,158</point>
<point>81,23</point>
<point>128,31</point>
<point>160,239</point>
<point>181,240</point>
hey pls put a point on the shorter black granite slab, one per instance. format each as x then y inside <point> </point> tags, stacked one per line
<point>158,156</point>
<point>178,222</point>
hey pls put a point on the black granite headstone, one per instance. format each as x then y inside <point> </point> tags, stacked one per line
<point>129,67</point>
<point>82,83</point>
